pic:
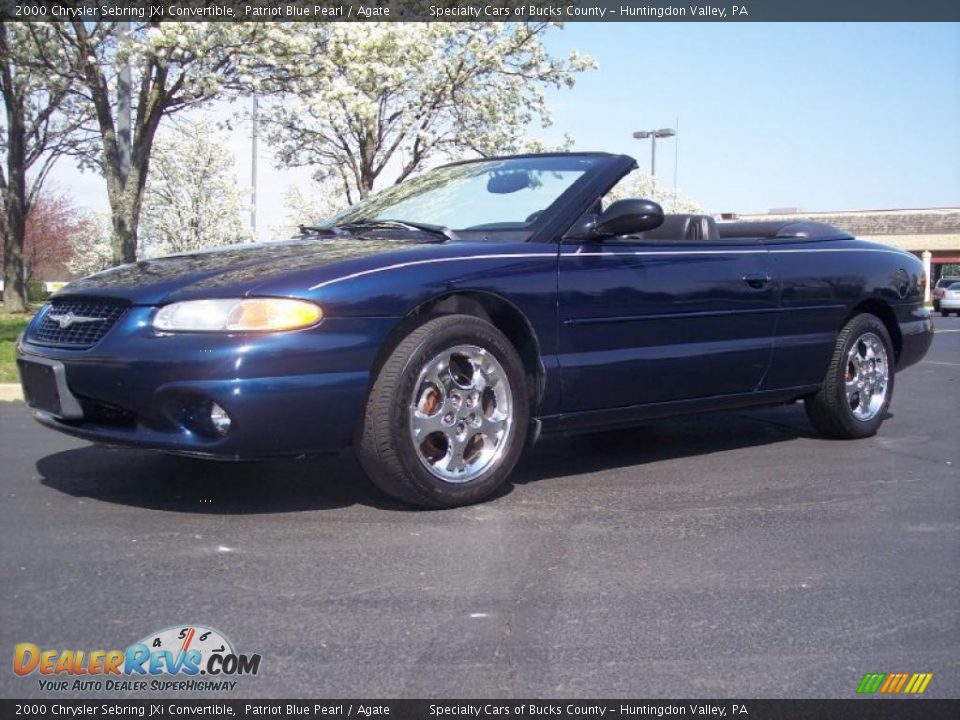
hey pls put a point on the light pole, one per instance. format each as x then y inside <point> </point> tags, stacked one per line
<point>653,135</point>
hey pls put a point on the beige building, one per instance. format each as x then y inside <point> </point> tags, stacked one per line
<point>932,234</point>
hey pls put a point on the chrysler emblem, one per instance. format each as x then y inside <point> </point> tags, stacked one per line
<point>68,319</point>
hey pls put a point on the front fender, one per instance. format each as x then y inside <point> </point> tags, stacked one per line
<point>522,276</point>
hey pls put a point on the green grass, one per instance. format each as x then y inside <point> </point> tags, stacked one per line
<point>10,328</point>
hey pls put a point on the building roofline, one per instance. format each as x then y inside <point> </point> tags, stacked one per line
<point>955,208</point>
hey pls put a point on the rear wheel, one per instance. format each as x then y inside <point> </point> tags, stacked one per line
<point>853,399</point>
<point>447,415</point>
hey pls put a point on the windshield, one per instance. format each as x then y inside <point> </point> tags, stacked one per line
<point>508,194</point>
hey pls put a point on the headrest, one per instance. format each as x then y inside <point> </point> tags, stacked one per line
<point>684,227</point>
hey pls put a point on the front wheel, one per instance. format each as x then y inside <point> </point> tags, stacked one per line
<point>853,399</point>
<point>447,415</point>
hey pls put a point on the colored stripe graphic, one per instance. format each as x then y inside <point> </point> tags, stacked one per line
<point>924,680</point>
<point>871,682</point>
<point>894,683</point>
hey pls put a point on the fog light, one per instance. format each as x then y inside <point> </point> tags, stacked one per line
<point>219,419</point>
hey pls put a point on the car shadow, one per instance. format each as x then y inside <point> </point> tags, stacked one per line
<point>663,439</point>
<point>180,484</point>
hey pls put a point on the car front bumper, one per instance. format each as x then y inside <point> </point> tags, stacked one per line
<point>286,394</point>
<point>916,331</point>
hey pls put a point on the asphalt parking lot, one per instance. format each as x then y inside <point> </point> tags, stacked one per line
<point>733,555</point>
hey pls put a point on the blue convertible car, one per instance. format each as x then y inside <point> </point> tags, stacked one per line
<point>442,325</point>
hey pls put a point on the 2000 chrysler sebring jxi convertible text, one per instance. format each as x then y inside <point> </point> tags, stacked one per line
<point>441,325</point>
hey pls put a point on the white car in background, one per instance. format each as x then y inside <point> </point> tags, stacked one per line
<point>950,299</point>
<point>940,288</point>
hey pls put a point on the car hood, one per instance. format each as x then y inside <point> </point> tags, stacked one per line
<point>234,270</point>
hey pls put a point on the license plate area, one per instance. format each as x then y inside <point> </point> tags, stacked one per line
<point>45,389</point>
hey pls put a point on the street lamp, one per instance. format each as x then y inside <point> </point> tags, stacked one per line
<point>653,135</point>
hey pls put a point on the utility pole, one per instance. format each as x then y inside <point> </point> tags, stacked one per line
<point>124,141</point>
<point>253,167</point>
<point>676,159</point>
<point>125,250</point>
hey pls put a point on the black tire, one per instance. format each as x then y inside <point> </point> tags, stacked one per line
<point>946,313</point>
<point>384,443</point>
<point>829,409</point>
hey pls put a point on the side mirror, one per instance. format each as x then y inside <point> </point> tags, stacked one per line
<point>625,217</point>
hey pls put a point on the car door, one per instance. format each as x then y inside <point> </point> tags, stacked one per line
<point>651,321</point>
<point>820,281</point>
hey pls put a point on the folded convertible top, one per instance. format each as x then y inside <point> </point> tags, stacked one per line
<point>782,229</point>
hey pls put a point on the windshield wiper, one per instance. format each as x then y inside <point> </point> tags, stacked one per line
<point>439,230</point>
<point>319,230</point>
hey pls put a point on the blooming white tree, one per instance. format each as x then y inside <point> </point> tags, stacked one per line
<point>193,199</point>
<point>378,97</point>
<point>641,185</point>
<point>92,252</point>
<point>309,206</point>
<point>166,67</point>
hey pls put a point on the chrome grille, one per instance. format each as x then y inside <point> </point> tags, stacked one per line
<point>76,322</point>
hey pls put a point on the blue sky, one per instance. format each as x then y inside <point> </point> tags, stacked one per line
<point>810,115</point>
<point>816,116</point>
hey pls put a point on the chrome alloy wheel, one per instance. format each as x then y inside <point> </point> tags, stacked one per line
<point>461,413</point>
<point>867,376</point>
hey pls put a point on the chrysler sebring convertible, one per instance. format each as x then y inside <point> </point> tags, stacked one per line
<point>442,325</point>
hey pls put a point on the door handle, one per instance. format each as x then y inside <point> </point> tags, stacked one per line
<point>757,281</point>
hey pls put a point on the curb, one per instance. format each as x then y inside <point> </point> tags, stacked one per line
<point>10,392</point>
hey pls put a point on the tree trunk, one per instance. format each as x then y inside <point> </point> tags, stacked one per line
<point>123,236</point>
<point>367,179</point>
<point>14,287</point>
<point>15,204</point>
<point>126,200</point>
<point>125,176</point>
<point>15,230</point>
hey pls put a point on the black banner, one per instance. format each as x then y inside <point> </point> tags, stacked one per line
<point>856,709</point>
<point>481,10</point>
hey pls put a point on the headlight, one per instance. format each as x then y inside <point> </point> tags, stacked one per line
<point>240,315</point>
